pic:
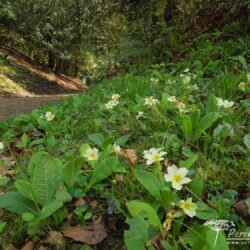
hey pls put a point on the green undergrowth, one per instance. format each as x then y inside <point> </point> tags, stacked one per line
<point>95,149</point>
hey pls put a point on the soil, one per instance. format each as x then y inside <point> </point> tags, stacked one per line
<point>19,105</point>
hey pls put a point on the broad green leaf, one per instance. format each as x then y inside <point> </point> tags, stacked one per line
<point>46,177</point>
<point>192,157</point>
<point>248,204</point>
<point>71,171</point>
<point>211,104</point>
<point>35,159</point>
<point>186,127</point>
<point>197,185</point>
<point>195,117</point>
<point>83,149</point>
<point>15,202</point>
<point>150,182</point>
<point>49,209</point>
<point>62,195</point>
<point>137,235</point>
<point>103,170</point>
<point>123,139</point>
<point>205,123</point>
<point>25,189</point>
<point>28,216</point>
<point>141,209</point>
<point>167,197</point>
<point>204,212</point>
<point>97,139</point>
<point>25,140</point>
<point>247,140</point>
<point>203,237</point>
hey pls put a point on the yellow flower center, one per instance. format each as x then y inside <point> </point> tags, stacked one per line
<point>92,155</point>
<point>155,157</point>
<point>187,206</point>
<point>177,179</point>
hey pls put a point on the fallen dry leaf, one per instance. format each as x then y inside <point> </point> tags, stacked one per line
<point>28,246</point>
<point>119,178</point>
<point>129,155</point>
<point>80,202</point>
<point>242,210</point>
<point>93,203</point>
<point>54,238</point>
<point>9,247</point>
<point>5,163</point>
<point>42,248</point>
<point>91,235</point>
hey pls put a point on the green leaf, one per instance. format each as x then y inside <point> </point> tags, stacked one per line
<point>97,139</point>
<point>71,171</point>
<point>83,149</point>
<point>186,127</point>
<point>45,178</point>
<point>204,212</point>
<point>104,169</point>
<point>247,140</point>
<point>25,140</point>
<point>123,139</point>
<point>15,202</point>
<point>63,195</point>
<point>25,189</point>
<point>192,157</point>
<point>28,216</point>
<point>206,122</point>
<point>137,236</point>
<point>49,209</point>
<point>203,237</point>
<point>248,204</point>
<point>150,182</point>
<point>167,197</point>
<point>211,104</point>
<point>141,209</point>
<point>197,185</point>
<point>195,117</point>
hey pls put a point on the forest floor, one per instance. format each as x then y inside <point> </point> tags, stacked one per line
<point>26,85</point>
<point>17,105</point>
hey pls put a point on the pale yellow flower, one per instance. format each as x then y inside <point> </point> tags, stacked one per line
<point>177,176</point>
<point>150,101</point>
<point>242,86</point>
<point>49,116</point>
<point>153,155</point>
<point>1,146</point>
<point>92,154</point>
<point>172,99</point>
<point>188,207</point>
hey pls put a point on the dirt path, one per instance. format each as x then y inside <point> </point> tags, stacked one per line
<point>18,105</point>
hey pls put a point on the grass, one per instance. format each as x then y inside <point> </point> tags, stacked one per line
<point>216,158</point>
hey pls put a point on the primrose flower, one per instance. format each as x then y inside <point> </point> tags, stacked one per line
<point>177,176</point>
<point>150,101</point>
<point>117,148</point>
<point>186,70</point>
<point>188,207</point>
<point>92,154</point>
<point>228,104</point>
<point>139,115</point>
<point>186,79</point>
<point>49,116</point>
<point>154,80</point>
<point>220,102</point>
<point>224,103</point>
<point>172,99</point>
<point>112,103</point>
<point>193,87</point>
<point>153,155</point>
<point>1,146</point>
<point>115,96</point>
<point>242,86</point>
<point>181,106</point>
